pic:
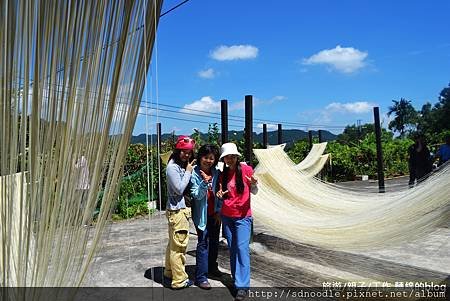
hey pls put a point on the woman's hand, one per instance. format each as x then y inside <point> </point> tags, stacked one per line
<point>205,177</point>
<point>252,180</point>
<point>220,194</point>
<point>190,165</point>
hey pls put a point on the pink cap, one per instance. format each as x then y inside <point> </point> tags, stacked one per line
<point>185,142</point>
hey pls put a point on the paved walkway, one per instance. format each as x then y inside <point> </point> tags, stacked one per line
<point>133,256</point>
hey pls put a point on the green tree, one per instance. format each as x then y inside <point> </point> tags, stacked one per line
<point>405,116</point>
<point>213,134</point>
<point>299,151</point>
<point>350,159</point>
<point>435,120</point>
<point>136,158</point>
<point>353,134</point>
<point>427,124</point>
<point>134,190</point>
<point>169,144</point>
<point>197,136</point>
<point>442,109</point>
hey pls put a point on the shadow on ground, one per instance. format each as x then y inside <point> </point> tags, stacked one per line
<point>193,293</point>
<point>285,275</point>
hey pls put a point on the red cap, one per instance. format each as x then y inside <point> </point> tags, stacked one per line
<point>185,142</point>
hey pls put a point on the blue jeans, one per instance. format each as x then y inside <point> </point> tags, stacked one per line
<point>207,250</point>
<point>237,231</point>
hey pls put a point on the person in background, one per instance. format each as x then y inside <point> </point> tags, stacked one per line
<point>82,190</point>
<point>206,214</point>
<point>444,151</point>
<point>420,163</point>
<point>236,182</point>
<point>178,172</point>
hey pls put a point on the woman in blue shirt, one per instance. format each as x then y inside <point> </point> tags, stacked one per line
<point>205,213</point>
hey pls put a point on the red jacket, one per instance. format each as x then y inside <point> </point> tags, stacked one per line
<point>234,204</point>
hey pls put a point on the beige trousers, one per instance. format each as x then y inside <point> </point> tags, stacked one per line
<point>176,248</point>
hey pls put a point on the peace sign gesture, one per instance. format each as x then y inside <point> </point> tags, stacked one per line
<point>190,165</point>
<point>252,180</point>
<point>220,194</point>
<point>205,177</point>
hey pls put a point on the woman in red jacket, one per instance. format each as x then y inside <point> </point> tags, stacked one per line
<point>235,184</point>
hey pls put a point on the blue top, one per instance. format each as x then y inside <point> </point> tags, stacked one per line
<point>444,153</point>
<point>199,189</point>
<point>177,181</point>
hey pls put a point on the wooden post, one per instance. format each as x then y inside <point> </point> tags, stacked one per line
<point>310,136</point>
<point>248,128</point>
<point>224,112</point>
<point>376,113</point>
<point>249,136</point>
<point>264,135</point>
<point>320,136</point>
<point>280,134</point>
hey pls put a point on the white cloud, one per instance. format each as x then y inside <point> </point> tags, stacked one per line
<point>240,105</point>
<point>335,116</point>
<point>342,59</point>
<point>323,118</point>
<point>208,73</point>
<point>235,52</point>
<point>146,110</point>
<point>206,103</point>
<point>350,107</point>
<point>258,102</point>
<point>277,98</point>
<point>270,126</point>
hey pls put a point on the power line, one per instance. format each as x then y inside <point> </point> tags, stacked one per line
<point>182,119</point>
<point>241,118</point>
<point>190,114</point>
<point>194,110</point>
<point>256,119</point>
<point>205,114</point>
<point>238,120</point>
<point>190,120</point>
<point>173,8</point>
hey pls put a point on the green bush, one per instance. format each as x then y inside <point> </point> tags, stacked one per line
<point>299,151</point>
<point>343,161</point>
<point>133,189</point>
<point>360,158</point>
<point>136,206</point>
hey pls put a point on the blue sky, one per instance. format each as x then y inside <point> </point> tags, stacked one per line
<point>318,63</point>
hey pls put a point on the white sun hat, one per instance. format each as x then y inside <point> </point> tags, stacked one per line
<point>228,149</point>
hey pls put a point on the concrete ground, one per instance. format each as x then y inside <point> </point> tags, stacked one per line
<point>133,256</point>
<point>392,184</point>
